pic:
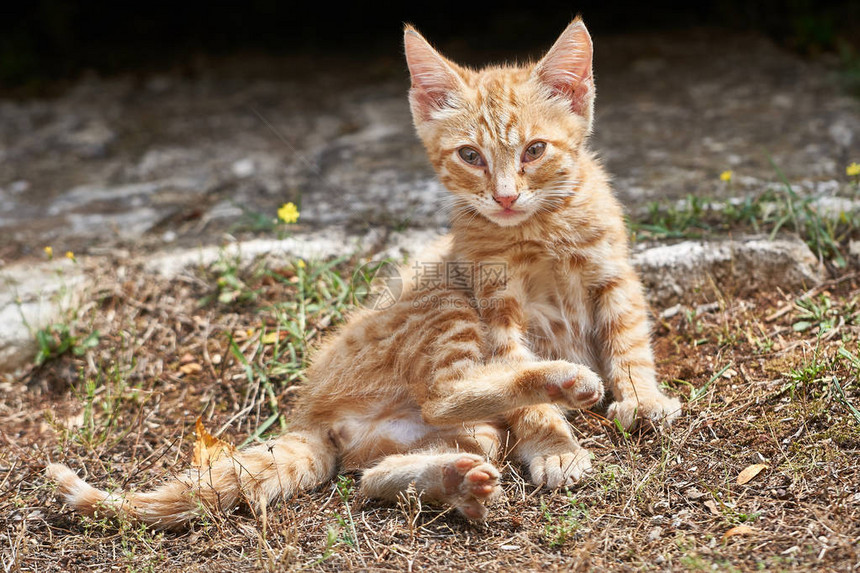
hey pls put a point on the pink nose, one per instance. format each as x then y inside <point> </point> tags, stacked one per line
<point>506,201</point>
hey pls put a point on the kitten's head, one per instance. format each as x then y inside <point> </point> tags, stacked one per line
<point>504,140</point>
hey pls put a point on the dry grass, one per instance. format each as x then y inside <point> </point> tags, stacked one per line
<point>123,412</point>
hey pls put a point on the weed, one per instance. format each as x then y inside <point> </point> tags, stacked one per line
<point>815,312</point>
<point>695,562</point>
<point>685,220</point>
<point>609,478</point>
<point>253,221</point>
<point>771,210</point>
<point>105,398</point>
<point>806,374</point>
<point>560,529</point>
<point>58,339</point>
<point>840,396</point>
<point>345,488</point>
<point>698,393</point>
<point>229,287</point>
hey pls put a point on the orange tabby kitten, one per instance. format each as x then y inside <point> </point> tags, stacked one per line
<point>431,390</point>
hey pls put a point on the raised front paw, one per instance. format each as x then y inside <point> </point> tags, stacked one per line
<point>559,470</point>
<point>572,385</point>
<point>659,409</point>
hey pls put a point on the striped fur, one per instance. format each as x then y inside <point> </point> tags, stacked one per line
<point>434,389</point>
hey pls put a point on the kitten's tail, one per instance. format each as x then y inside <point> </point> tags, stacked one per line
<point>293,462</point>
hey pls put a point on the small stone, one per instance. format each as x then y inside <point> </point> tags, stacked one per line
<point>19,186</point>
<point>841,134</point>
<point>243,167</point>
<point>655,534</point>
<point>672,311</point>
<point>694,493</point>
<point>854,248</point>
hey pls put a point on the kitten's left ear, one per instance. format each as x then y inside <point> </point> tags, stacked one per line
<point>566,69</point>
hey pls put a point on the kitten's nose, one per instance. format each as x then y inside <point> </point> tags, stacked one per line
<point>507,200</point>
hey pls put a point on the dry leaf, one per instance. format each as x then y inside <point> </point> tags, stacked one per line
<point>712,507</point>
<point>190,368</point>
<point>208,448</point>
<point>750,472</point>
<point>738,530</point>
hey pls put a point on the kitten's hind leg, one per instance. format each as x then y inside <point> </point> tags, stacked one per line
<point>465,481</point>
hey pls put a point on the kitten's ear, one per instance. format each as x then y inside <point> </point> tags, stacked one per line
<point>434,78</point>
<point>566,69</point>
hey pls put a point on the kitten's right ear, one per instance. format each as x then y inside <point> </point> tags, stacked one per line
<point>434,79</point>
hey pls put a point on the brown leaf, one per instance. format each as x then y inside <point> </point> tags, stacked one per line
<point>208,448</point>
<point>712,507</point>
<point>750,472</point>
<point>738,530</point>
<point>190,368</point>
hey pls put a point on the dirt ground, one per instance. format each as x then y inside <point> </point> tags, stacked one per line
<point>769,385</point>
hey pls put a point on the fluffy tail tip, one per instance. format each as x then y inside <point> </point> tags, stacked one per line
<point>75,491</point>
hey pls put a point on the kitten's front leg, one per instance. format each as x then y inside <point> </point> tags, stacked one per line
<point>544,441</point>
<point>625,343</point>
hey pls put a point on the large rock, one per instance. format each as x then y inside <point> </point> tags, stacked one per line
<point>692,270</point>
<point>33,296</point>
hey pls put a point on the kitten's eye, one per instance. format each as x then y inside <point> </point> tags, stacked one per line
<point>534,151</point>
<point>471,156</point>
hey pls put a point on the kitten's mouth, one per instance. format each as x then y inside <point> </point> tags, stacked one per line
<point>507,217</point>
<point>505,213</point>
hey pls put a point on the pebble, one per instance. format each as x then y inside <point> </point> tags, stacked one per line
<point>243,168</point>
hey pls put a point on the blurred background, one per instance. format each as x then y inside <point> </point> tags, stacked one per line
<point>149,125</point>
<point>46,40</point>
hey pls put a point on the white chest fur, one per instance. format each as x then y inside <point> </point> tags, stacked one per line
<point>559,314</point>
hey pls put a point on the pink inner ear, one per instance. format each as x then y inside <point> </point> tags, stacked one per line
<point>433,78</point>
<point>567,68</point>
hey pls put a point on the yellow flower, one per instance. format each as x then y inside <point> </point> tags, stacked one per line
<point>301,264</point>
<point>71,256</point>
<point>288,213</point>
<point>853,170</point>
<point>726,176</point>
<point>49,251</point>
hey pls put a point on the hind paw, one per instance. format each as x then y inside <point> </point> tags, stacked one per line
<point>469,482</point>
